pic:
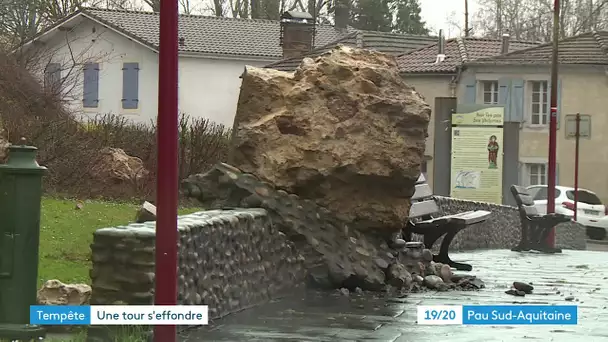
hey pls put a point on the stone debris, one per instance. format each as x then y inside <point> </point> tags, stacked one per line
<point>514,292</point>
<point>332,153</point>
<point>147,212</point>
<point>326,132</point>
<point>434,282</point>
<point>334,256</point>
<point>117,172</point>
<point>520,289</point>
<point>526,288</point>
<point>54,292</point>
<point>398,276</point>
<point>4,145</point>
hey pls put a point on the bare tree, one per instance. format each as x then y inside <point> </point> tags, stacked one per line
<point>532,19</point>
<point>19,21</point>
<point>219,8</point>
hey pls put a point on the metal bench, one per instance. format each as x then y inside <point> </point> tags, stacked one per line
<point>534,227</point>
<point>423,221</point>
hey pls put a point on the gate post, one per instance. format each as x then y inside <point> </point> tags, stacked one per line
<point>20,200</point>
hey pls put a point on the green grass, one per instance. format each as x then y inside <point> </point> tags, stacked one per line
<point>66,234</point>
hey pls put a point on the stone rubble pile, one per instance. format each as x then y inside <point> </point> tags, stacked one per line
<point>334,255</point>
<point>332,152</point>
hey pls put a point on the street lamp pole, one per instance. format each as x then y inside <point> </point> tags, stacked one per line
<point>553,124</point>
<point>167,167</point>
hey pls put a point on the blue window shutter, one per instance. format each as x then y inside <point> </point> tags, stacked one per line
<point>90,88</point>
<point>130,85</point>
<point>470,89</point>
<point>504,96</point>
<point>52,76</point>
<point>517,100</point>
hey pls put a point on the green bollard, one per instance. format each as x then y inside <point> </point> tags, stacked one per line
<point>20,200</point>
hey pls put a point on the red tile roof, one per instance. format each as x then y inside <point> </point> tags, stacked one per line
<point>588,48</point>
<point>391,43</point>
<point>457,51</point>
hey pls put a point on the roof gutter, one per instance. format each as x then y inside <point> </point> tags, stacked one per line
<point>264,59</point>
<point>440,73</point>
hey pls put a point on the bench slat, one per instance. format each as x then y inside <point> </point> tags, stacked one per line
<point>516,189</point>
<point>471,217</point>
<point>419,209</point>
<point>422,191</point>
<point>530,210</point>
<point>526,199</point>
<point>468,217</point>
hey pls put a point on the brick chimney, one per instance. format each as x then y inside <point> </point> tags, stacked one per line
<point>341,14</point>
<point>297,33</point>
<point>440,48</point>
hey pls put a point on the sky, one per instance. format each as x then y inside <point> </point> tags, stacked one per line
<point>437,14</point>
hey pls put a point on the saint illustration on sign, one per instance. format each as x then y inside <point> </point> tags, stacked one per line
<point>493,152</point>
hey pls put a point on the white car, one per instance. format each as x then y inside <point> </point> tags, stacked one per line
<point>591,213</point>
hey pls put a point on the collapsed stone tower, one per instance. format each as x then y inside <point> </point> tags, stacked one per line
<point>332,153</point>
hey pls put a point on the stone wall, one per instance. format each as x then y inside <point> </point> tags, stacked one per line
<point>503,227</point>
<point>228,259</point>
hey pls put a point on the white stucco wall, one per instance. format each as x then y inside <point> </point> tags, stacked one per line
<point>208,86</point>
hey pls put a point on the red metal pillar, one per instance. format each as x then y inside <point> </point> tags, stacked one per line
<point>578,137</point>
<point>167,168</point>
<point>553,124</point>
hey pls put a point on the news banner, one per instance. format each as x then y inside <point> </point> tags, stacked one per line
<point>198,315</point>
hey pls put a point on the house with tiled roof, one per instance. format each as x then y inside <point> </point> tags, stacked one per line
<point>386,42</point>
<point>439,74</point>
<point>473,72</point>
<point>522,81</point>
<point>110,57</point>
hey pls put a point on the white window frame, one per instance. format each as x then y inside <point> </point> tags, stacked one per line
<point>538,171</point>
<point>493,91</point>
<point>542,116</point>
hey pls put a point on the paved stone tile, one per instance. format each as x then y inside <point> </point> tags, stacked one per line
<point>315,316</point>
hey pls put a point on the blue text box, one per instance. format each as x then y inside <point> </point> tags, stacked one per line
<point>519,314</point>
<point>60,315</point>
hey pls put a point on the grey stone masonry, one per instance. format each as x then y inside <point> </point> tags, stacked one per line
<point>228,259</point>
<point>503,227</point>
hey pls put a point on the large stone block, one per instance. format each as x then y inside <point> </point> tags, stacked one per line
<point>344,131</point>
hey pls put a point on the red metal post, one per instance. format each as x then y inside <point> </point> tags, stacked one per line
<point>553,124</point>
<point>578,137</point>
<point>167,183</point>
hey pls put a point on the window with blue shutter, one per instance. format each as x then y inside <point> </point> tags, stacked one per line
<point>504,97</point>
<point>470,89</point>
<point>130,85</point>
<point>90,87</point>
<point>517,101</point>
<point>52,76</point>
